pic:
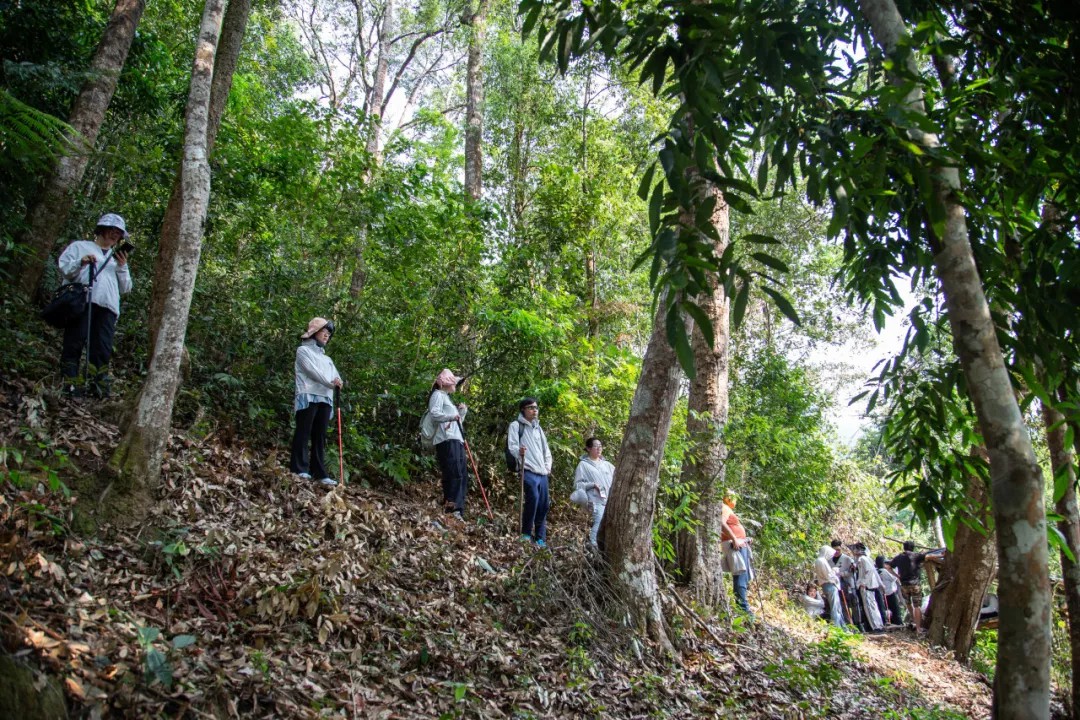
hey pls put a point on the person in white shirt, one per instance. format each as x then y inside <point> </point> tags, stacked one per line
<point>99,261</point>
<point>449,443</point>
<point>867,583</point>
<point>890,587</point>
<point>316,379</point>
<point>812,603</point>
<point>594,475</point>
<point>825,575</point>
<point>525,440</point>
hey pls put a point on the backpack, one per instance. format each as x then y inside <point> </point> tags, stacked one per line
<point>511,460</point>
<point>428,427</point>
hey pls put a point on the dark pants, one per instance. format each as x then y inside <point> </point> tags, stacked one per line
<point>450,455</point>
<point>893,602</point>
<point>879,596</point>
<point>102,327</point>
<point>311,425</point>
<point>535,506</point>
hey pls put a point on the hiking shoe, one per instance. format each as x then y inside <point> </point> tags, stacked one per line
<point>304,476</point>
<point>328,482</point>
<point>457,515</point>
<point>541,545</point>
<point>525,538</point>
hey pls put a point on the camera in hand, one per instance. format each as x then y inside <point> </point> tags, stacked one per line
<point>127,248</point>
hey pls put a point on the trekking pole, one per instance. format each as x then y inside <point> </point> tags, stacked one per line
<point>844,604</point>
<point>89,325</point>
<point>340,440</point>
<point>476,472</point>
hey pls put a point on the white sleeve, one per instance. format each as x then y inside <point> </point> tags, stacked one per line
<point>435,407</point>
<point>123,279</point>
<point>513,442</point>
<point>581,482</point>
<point>310,367</point>
<point>70,262</point>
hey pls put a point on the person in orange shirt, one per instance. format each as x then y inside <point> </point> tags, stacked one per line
<point>732,530</point>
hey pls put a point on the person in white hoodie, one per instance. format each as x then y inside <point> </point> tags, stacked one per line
<point>97,324</point>
<point>826,576</point>
<point>526,441</point>
<point>594,475</point>
<point>316,379</point>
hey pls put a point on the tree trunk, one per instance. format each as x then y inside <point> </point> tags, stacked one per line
<point>227,57</point>
<point>1022,678</point>
<point>1069,525</point>
<point>49,213</point>
<point>626,531</point>
<point>957,596</point>
<point>476,17</point>
<point>138,458</point>
<point>374,110</point>
<point>703,470</point>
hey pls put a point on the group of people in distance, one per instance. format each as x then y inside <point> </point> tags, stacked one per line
<point>859,593</point>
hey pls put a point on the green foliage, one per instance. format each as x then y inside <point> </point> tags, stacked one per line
<point>156,665</point>
<point>780,460</point>
<point>816,671</point>
<point>984,652</point>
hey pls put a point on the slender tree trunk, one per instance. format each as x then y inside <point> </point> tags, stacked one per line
<point>957,596</point>
<point>699,550</point>
<point>374,109</point>
<point>49,213</point>
<point>1022,678</point>
<point>626,531</point>
<point>1069,526</point>
<point>226,59</point>
<point>138,458</point>
<point>476,17</point>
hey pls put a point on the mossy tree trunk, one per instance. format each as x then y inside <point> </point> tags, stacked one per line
<point>138,458</point>
<point>703,470</point>
<point>50,211</point>
<point>957,596</point>
<point>225,61</point>
<point>1022,677</point>
<point>626,531</point>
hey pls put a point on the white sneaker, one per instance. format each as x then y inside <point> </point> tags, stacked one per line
<point>303,476</point>
<point>328,482</point>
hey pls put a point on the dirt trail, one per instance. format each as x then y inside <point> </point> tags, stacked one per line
<point>913,665</point>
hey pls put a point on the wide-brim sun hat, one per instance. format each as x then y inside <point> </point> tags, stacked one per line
<point>112,220</point>
<point>315,325</point>
<point>447,377</point>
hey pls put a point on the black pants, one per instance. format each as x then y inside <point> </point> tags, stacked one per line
<point>893,601</point>
<point>102,327</point>
<point>311,423</point>
<point>455,473</point>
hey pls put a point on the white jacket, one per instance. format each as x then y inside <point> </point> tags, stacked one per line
<point>315,371</point>
<point>594,477</point>
<point>443,411</point>
<point>112,280</point>
<point>537,452</point>
<point>889,583</point>
<point>824,572</point>
<point>867,575</point>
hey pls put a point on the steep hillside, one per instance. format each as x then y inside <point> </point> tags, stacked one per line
<point>252,595</point>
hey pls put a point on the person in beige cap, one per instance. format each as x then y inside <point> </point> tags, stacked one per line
<point>316,379</point>
<point>102,265</point>
<point>449,442</point>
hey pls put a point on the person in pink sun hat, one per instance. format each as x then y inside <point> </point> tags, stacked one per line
<point>449,442</point>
